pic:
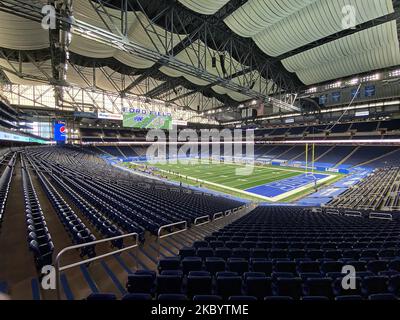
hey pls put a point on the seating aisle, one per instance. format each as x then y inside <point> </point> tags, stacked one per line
<point>13,238</point>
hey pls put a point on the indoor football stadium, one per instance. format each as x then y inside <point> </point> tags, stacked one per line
<point>200,152</point>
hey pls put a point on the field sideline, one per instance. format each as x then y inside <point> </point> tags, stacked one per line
<point>223,177</point>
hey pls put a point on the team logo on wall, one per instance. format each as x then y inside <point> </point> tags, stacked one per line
<point>60,131</point>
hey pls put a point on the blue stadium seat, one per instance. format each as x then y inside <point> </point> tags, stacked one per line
<point>309,266</point>
<point>377,266</point>
<point>203,252</point>
<point>223,252</point>
<point>229,286</point>
<point>207,298</point>
<point>199,283</point>
<point>140,283</point>
<point>101,296</point>
<point>191,264</point>
<point>349,298</point>
<point>383,296</point>
<point>137,297</point>
<point>242,298</point>
<point>169,284</point>
<point>394,284</point>
<point>291,287</point>
<point>374,285</point>
<point>238,265</point>
<point>278,298</point>
<point>319,287</point>
<point>285,266</point>
<point>172,297</point>
<point>257,284</point>
<point>169,263</point>
<point>315,298</point>
<point>262,265</point>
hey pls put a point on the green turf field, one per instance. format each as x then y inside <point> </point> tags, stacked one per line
<point>222,177</point>
<point>224,174</point>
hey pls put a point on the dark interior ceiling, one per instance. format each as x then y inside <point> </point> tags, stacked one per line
<point>190,22</point>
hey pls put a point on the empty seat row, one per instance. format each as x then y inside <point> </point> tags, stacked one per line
<point>74,226</point>
<point>257,284</point>
<point>240,265</point>
<point>292,254</point>
<point>98,220</point>
<point>39,238</point>
<point>183,297</point>
<point>5,182</point>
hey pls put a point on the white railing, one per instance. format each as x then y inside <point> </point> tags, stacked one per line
<point>206,218</point>
<point>352,213</point>
<point>218,216</point>
<point>381,215</point>
<point>160,237</point>
<point>333,211</point>
<point>76,264</point>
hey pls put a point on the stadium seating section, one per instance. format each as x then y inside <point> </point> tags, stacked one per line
<point>279,253</point>
<point>354,130</point>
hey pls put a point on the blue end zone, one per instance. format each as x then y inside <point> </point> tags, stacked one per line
<point>277,188</point>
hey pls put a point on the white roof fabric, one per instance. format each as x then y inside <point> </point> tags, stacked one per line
<point>370,49</point>
<point>280,26</point>
<point>207,7</point>
<point>21,34</point>
<point>155,39</point>
<point>276,26</point>
<point>256,15</point>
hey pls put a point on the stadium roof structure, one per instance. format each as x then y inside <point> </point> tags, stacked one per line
<point>200,54</point>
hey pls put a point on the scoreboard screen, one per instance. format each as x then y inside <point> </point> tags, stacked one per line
<point>147,121</point>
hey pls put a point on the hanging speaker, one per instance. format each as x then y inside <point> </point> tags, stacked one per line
<point>214,61</point>
<point>222,62</point>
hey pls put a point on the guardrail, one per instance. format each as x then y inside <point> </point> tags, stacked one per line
<point>160,237</point>
<point>227,213</point>
<point>352,213</point>
<point>381,215</point>
<point>76,264</point>
<point>333,211</point>
<point>218,216</point>
<point>196,221</point>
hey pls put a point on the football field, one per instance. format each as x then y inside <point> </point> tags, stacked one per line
<point>269,183</point>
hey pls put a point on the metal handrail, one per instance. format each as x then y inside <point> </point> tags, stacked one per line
<point>333,211</point>
<point>218,216</point>
<point>201,218</point>
<point>381,215</point>
<point>72,265</point>
<point>160,237</point>
<point>352,213</point>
